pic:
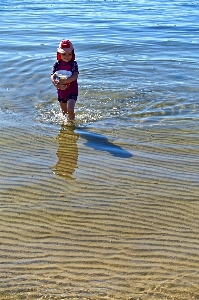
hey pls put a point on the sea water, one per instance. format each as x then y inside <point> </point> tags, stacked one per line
<point>108,208</point>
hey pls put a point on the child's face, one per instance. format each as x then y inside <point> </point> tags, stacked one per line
<point>66,56</point>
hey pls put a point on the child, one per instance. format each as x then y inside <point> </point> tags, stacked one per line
<point>67,87</point>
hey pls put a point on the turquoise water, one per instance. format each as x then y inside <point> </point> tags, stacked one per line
<point>107,209</point>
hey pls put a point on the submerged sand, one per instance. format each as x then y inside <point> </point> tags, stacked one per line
<point>101,215</point>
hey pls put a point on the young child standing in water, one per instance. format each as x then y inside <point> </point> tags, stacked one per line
<point>64,77</point>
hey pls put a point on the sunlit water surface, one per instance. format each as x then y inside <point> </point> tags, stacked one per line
<point>108,208</point>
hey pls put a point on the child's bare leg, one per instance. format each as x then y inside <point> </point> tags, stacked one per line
<point>71,108</point>
<point>63,108</point>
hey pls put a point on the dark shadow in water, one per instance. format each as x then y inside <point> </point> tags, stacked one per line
<point>100,142</point>
<point>67,153</point>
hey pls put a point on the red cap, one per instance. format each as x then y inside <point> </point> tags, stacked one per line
<point>65,46</point>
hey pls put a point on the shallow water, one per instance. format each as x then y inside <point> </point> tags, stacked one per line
<point>107,209</point>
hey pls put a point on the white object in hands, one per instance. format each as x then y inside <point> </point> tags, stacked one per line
<point>63,74</point>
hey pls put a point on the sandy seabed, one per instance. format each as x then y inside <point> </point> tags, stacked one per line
<point>88,217</point>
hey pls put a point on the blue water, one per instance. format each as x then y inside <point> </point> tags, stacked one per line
<point>138,61</point>
<point>136,127</point>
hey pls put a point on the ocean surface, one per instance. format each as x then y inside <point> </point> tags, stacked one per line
<point>108,208</point>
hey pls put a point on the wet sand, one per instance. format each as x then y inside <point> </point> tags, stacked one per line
<point>99,215</point>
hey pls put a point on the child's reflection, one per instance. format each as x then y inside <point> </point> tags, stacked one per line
<point>67,153</point>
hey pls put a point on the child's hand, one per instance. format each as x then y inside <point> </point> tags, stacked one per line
<point>59,85</point>
<point>54,80</point>
<point>63,84</point>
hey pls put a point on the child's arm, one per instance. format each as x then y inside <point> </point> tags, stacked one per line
<point>72,78</point>
<point>56,82</point>
<point>53,79</point>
